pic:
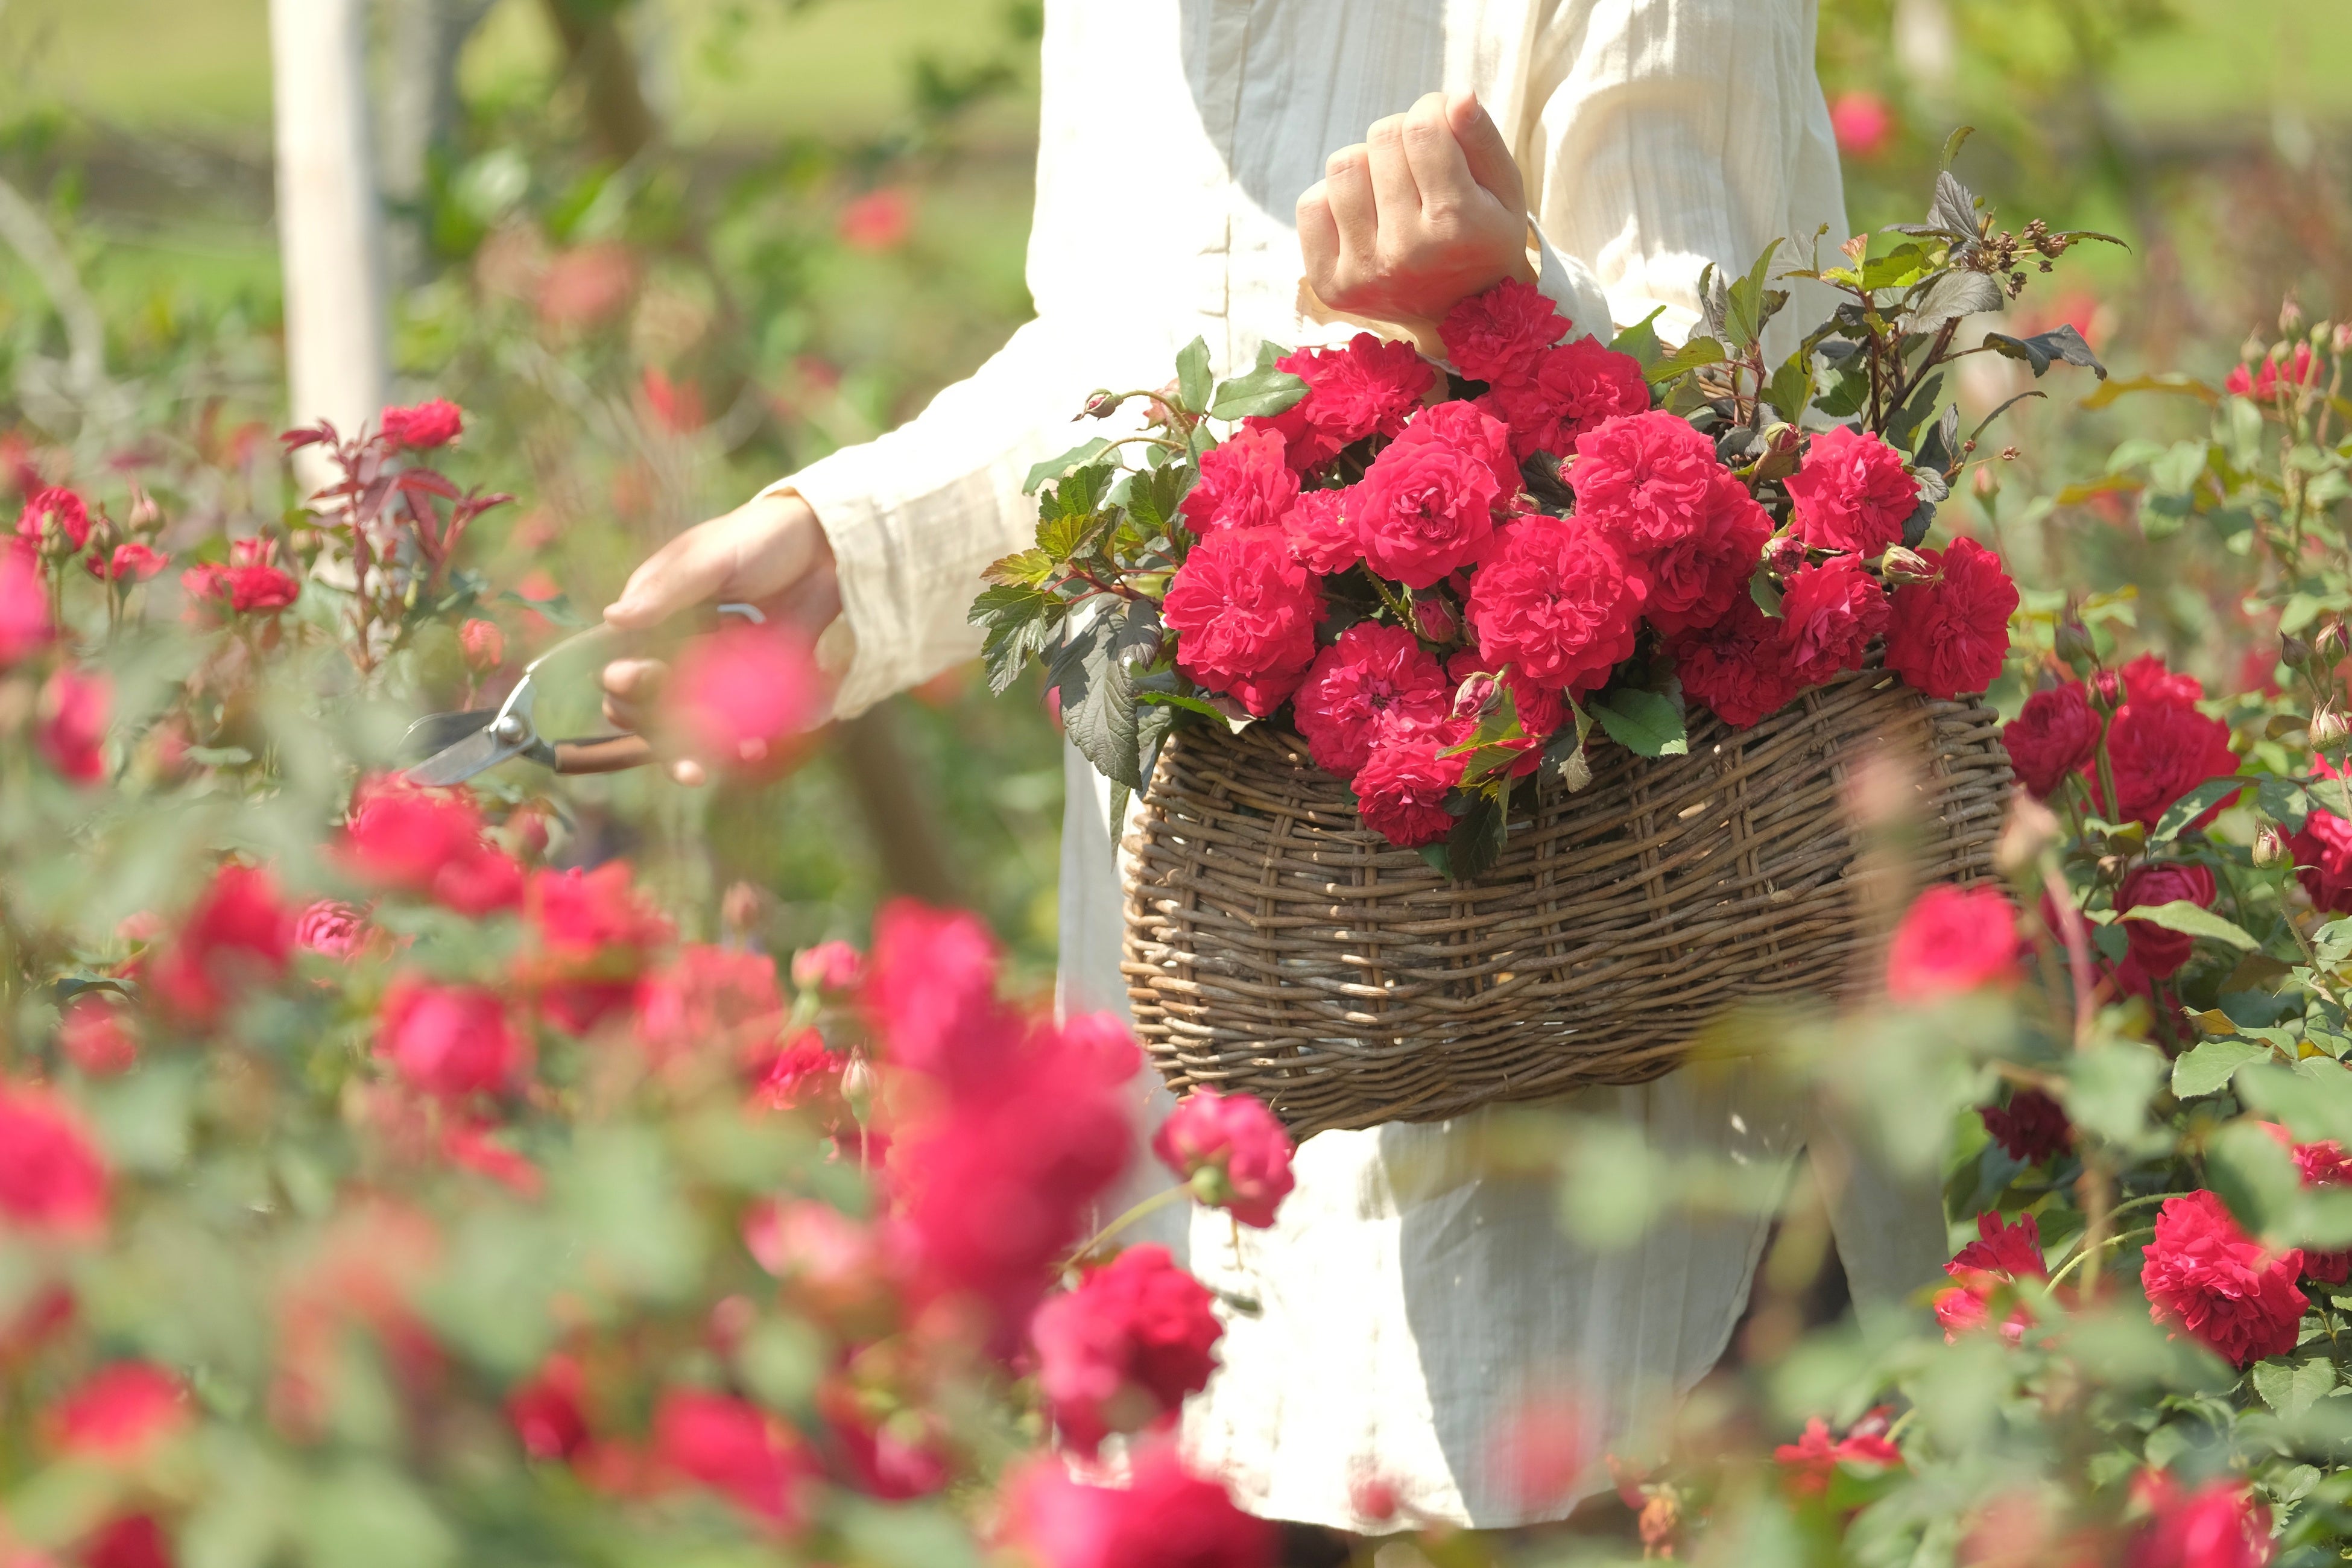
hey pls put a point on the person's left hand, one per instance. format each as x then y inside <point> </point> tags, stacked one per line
<point>1427,210</point>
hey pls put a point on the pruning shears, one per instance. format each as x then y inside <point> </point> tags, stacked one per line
<point>457,747</point>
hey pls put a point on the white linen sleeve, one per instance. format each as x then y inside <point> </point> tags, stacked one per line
<point>1661,135</point>
<point>914,516</point>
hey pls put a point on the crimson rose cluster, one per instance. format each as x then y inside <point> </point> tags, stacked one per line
<point>1448,578</point>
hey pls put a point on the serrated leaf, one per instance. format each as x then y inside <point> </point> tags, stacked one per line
<point>1693,356</point>
<point>2192,805</point>
<point>1646,723</point>
<point>1055,468</point>
<point>1641,341</point>
<point>1260,391</point>
<point>2045,349</point>
<point>1188,702</point>
<point>1476,842</point>
<point>2292,1387</point>
<point>1792,387</point>
<point>1951,296</point>
<point>1020,622</point>
<point>1022,568</point>
<point>1764,592</point>
<point>2190,920</point>
<point>1749,305</point>
<point>1094,669</point>
<point>1153,497</point>
<point>2208,1066</point>
<point>1898,269</point>
<point>1954,207</point>
<point>1192,375</point>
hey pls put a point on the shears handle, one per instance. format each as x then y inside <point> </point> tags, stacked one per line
<point>602,754</point>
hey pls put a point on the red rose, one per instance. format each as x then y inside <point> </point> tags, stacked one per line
<point>118,1412</point>
<point>711,998</point>
<point>237,933</point>
<point>1120,1352</point>
<point>1833,608</point>
<point>1952,940</point>
<point>1233,1151</point>
<point>1695,580</point>
<point>930,991</point>
<point>747,698</point>
<point>1740,667</point>
<point>483,644</point>
<point>2053,736</point>
<point>2003,1255</point>
<point>126,1541</point>
<point>1498,335</point>
<point>1644,481</point>
<point>1426,506</point>
<point>52,1181</point>
<point>95,1038</point>
<point>72,734</point>
<point>2321,1164</point>
<point>1322,531</point>
<point>737,1450</point>
<point>1244,615</point>
<point>828,967</point>
<point>2219,1525</point>
<point>1951,637</point>
<point>25,628</point>
<point>2147,681</point>
<point>2205,1275</point>
<point>1369,388</point>
<point>424,426</point>
<point>1541,709</point>
<point>595,932</point>
<point>1852,492</point>
<point>2158,952</point>
<point>897,1456</point>
<point>1244,483</point>
<point>1401,790</point>
<point>2300,369</point>
<point>132,562</point>
<point>449,1041</point>
<point>335,929</point>
<point>548,1410</point>
<point>1556,603</point>
<point>2030,1128</point>
<point>413,840</point>
<point>2160,752</point>
<point>1575,388</point>
<point>1810,1463</point>
<point>56,519</point>
<point>1374,682</point>
<point>1164,1516</point>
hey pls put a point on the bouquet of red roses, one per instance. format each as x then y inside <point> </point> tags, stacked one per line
<point>1451,574</point>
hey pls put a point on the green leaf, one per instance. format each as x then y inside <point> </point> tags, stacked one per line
<point>1055,468</point>
<point>1193,376</point>
<point>1764,592</point>
<point>1187,701</point>
<point>1641,341</point>
<point>1440,860</point>
<point>2182,916</point>
<point>1898,269</point>
<point>2292,1387</point>
<point>1751,305</point>
<point>2107,1088</point>
<point>1262,391</point>
<point>1153,497</point>
<point>1020,623</point>
<point>2046,349</point>
<point>1022,568</point>
<point>2209,1065</point>
<point>2285,802</point>
<point>2192,805</point>
<point>1792,387</point>
<point>1646,723</point>
<point>1693,356</point>
<point>1095,671</point>
<point>1476,842</point>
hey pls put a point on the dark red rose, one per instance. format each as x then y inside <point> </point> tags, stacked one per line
<point>1575,388</point>
<point>2032,1127</point>
<point>1426,507</point>
<point>1644,481</point>
<point>2323,860</point>
<point>1740,667</point>
<point>1368,388</point>
<point>1556,603</point>
<point>1245,613</point>
<point>2054,735</point>
<point>1400,791</point>
<point>1952,940</point>
<point>2158,952</point>
<point>1695,580</point>
<point>1373,683</point>
<point>237,933</point>
<point>2001,1255</point>
<point>1243,483</point>
<point>2160,752</point>
<point>1852,492</point>
<point>1498,335</point>
<point>1833,608</point>
<point>1951,637</point>
<point>548,1410</point>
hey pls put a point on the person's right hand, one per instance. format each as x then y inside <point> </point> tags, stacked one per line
<point>769,551</point>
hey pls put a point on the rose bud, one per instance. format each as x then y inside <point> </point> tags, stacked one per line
<point>2073,644</point>
<point>1100,404</point>
<point>484,644</point>
<point>2270,846</point>
<point>2293,652</point>
<point>2106,692</point>
<point>1783,554</point>
<point>2332,643</point>
<point>1904,565</point>
<point>2342,336</point>
<point>2328,728</point>
<point>1475,695</point>
<point>1434,617</point>
<point>857,1084</point>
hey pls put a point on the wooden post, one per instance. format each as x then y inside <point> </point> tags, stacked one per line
<point>328,234</point>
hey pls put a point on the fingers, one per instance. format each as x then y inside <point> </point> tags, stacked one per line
<point>632,690</point>
<point>693,567</point>
<point>689,773</point>
<point>1440,173</point>
<point>1318,237</point>
<point>755,552</point>
<point>1348,183</point>
<point>1393,187</point>
<point>1486,154</point>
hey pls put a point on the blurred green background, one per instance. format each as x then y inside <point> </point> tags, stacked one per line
<point>804,217</point>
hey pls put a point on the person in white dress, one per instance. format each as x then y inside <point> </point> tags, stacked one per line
<point>1410,1301</point>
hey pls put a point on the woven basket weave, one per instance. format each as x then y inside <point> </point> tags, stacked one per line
<point>1275,946</point>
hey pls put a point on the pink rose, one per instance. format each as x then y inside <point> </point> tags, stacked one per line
<point>72,734</point>
<point>1373,683</point>
<point>1740,667</point>
<point>1952,940</point>
<point>1557,603</point>
<point>1322,534</point>
<point>1368,388</point>
<point>1232,1150</point>
<point>1695,580</point>
<point>1499,335</point>
<point>449,1041</point>
<point>424,426</point>
<point>1120,1352</point>
<point>56,519</point>
<point>1575,387</point>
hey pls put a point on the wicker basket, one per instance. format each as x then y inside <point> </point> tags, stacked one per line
<point>1273,945</point>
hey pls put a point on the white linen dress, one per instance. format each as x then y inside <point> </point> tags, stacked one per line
<point>1410,1302</point>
